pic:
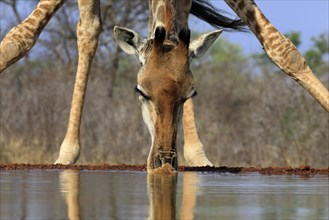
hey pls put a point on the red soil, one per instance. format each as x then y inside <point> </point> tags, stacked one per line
<point>302,170</point>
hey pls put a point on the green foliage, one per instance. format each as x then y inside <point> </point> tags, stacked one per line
<point>321,43</point>
<point>317,55</point>
<point>224,51</point>
<point>294,37</point>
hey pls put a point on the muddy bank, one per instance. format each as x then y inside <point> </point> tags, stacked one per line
<point>301,170</point>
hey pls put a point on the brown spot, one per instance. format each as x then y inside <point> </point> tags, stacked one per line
<point>273,39</point>
<point>30,21</point>
<point>250,14</point>
<point>284,60</point>
<point>44,6</point>
<point>280,49</point>
<point>258,31</point>
<point>28,29</point>
<point>274,46</point>
<point>273,53</point>
<point>241,5</point>
<point>233,5</point>
<point>17,35</point>
<point>80,33</point>
<point>257,28</point>
<point>287,45</point>
<point>37,13</point>
<point>271,30</point>
<point>28,35</point>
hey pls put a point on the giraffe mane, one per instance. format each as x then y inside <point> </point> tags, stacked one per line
<point>205,11</point>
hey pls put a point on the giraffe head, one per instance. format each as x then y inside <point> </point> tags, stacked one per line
<point>164,83</point>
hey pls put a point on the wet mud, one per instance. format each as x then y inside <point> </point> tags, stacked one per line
<point>303,170</point>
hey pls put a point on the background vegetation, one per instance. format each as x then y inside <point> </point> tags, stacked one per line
<point>248,113</point>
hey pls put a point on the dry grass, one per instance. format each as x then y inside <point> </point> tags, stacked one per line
<point>243,120</point>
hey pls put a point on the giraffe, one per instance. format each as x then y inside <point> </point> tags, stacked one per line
<point>23,37</point>
<point>165,82</point>
<point>170,35</point>
<point>280,49</point>
<point>165,58</point>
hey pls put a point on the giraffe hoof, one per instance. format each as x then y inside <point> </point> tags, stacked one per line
<point>195,156</point>
<point>68,153</point>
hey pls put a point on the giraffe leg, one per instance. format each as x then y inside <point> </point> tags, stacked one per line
<point>193,149</point>
<point>21,39</point>
<point>88,30</point>
<point>281,50</point>
<point>69,187</point>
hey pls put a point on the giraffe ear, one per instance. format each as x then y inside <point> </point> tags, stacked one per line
<point>129,41</point>
<point>199,46</point>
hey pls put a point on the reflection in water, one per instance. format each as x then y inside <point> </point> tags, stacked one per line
<point>69,187</point>
<point>161,190</point>
<point>189,195</point>
<point>35,194</point>
<point>162,195</point>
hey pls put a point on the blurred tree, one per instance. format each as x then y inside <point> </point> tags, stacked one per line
<point>58,41</point>
<point>13,10</point>
<point>13,6</point>
<point>225,51</point>
<point>294,37</point>
<point>317,55</point>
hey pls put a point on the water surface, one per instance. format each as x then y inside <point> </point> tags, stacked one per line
<point>40,194</point>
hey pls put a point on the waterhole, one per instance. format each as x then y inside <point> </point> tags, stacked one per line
<point>73,194</point>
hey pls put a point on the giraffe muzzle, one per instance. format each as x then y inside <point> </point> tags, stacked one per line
<point>166,157</point>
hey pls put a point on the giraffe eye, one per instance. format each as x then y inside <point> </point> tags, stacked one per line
<point>192,93</point>
<point>142,93</point>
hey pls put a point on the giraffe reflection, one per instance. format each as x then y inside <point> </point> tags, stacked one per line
<point>161,190</point>
<point>162,195</point>
<point>190,180</point>
<point>69,187</point>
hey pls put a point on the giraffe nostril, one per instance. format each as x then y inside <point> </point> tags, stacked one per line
<point>165,157</point>
<point>157,162</point>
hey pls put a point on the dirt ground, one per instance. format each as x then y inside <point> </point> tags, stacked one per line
<point>303,170</point>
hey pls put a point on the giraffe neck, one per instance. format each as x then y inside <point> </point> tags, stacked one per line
<point>171,14</point>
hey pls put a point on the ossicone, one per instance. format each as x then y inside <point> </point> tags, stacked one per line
<point>185,35</point>
<point>160,35</point>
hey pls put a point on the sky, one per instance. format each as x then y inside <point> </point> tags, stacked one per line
<point>309,17</point>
